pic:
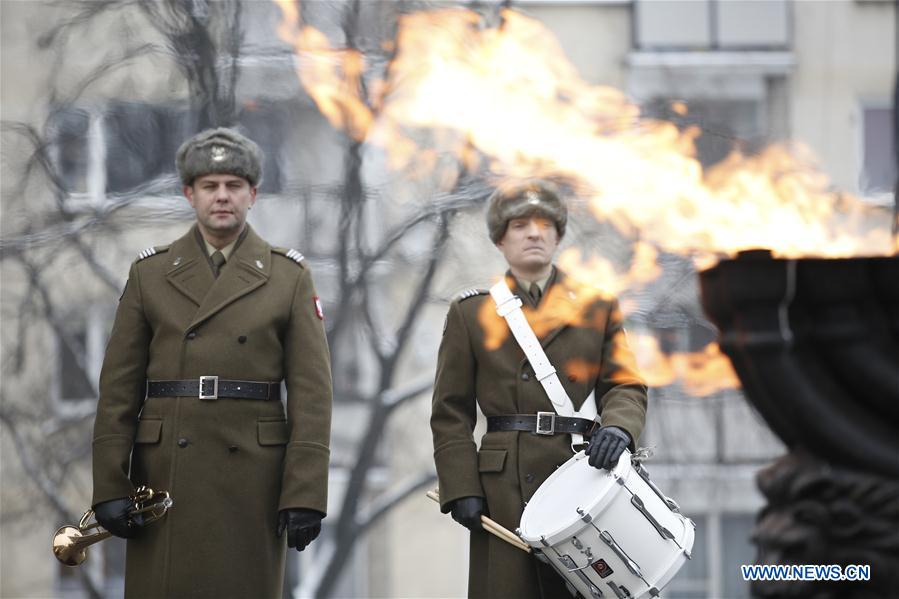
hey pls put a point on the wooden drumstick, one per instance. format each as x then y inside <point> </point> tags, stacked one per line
<point>493,527</point>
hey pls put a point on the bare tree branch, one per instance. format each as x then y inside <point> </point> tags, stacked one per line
<point>346,524</point>
<point>418,302</point>
<point>386,502</point>
<point>88,10</point>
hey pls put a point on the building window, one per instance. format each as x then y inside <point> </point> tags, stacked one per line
<point>712,24</point>
<point>263,122</point>
<point>140,141</point>
<point>692,582</point>
<point>722,545</point>
<point>69,130</point>
<point>123,145</point>
<point>878,171</point>
<point>80,350</point>
<point>724,124</point>
<point>736,550</point>
<point>74,367</point>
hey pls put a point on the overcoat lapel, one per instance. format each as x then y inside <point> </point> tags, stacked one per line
<point>246,270</point>
<point>189,271</point>
<point>554,295</point>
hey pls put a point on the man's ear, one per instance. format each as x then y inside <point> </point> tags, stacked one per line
<point>188,192</point>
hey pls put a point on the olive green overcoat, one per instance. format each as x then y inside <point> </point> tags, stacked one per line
<point>230,464</point>
<point>480,362</point>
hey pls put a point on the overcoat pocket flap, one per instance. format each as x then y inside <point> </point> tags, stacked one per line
<point>491,460</point>
<point>273,432</point>
<point>148,431</point>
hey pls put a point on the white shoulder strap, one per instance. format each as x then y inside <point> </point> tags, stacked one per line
<point>509,307</point>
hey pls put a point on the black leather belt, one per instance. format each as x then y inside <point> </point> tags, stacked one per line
<point>212,388</point>
<point>541,423</point>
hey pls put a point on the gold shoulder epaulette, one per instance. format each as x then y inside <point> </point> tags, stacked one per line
<point>290,253</point>
<point>152,251</point>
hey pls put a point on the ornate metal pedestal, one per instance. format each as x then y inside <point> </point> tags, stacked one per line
<point>815,343</point>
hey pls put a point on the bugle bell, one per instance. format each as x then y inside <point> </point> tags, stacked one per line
<point>70,543</point>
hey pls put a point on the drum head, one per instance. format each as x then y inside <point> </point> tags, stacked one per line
<point>553,510</point>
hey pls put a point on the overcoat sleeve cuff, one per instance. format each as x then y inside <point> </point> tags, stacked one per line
<point>305,480</point>
<point>457,472</point>
<point>627,410</point>
<point>111,459</point>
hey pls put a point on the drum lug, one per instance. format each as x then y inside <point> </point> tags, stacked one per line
<point>672,505</point>
<point>663,532</point>
<point>541,556</point>
<point>654,592</point>
<point>584,516</point>
<point>607,538</point>
<point>621,591</point>
<point>595,593</point>
<point>644,474</point>
<point>572,568</point>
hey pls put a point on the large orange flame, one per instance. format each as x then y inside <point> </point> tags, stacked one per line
<point>701,373</point>
<point>568,303</point>
<point>331,77</point>
<point>511,93</point>
<point>506,101</point>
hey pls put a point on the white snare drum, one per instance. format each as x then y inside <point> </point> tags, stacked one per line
<point>609,534</point>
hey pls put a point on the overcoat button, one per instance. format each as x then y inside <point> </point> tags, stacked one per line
<point>183,442</point>
<point>192,335</point>
<point>525,376</point>
<point>242,339</point>
<point>232,448</point>
<point>572,378</point>
<point>529,478</point>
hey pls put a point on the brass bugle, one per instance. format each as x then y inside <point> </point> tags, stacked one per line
<point>70,543</point>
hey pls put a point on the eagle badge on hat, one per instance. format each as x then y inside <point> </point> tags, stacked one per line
<point>532,197</point>
<point>218,153</point>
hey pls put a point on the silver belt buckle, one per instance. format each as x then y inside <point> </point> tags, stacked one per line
<point>205,381</point>
<point>546,423</point>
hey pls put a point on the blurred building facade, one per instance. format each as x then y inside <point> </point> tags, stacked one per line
<point>750,71</point>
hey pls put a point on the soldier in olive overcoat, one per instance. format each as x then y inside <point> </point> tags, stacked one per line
<point>206,330</point>
<point>479,362</point>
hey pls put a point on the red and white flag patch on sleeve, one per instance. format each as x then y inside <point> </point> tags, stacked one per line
<point>318,307</point>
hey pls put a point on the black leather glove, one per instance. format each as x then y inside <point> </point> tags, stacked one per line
<point>113,516</point>
<point>303,526</point>
<point>467,511</point>
<point>606,446</point>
